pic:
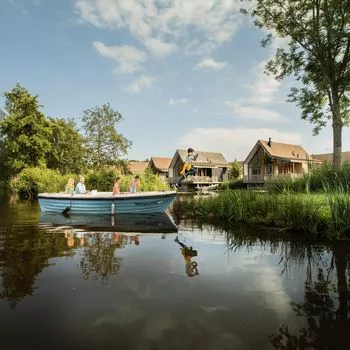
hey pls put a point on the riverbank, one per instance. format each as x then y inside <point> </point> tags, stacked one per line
<point>324,214</point>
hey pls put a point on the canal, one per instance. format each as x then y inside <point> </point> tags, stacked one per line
<point>158,283</point>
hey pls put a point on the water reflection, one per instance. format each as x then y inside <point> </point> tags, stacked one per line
<point>159,222</point>
<point>23,256</point>
<point>326,308</point>
<point>98,259</point>
<point>91,285</point>
<point>326,304</point>
<point>188,253</point>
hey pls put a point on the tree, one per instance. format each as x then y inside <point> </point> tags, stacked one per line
<point>235,170</point>
<point>104,144</point>
<point>67,147</point>
<point>318,56</point>
<point>25,130</point>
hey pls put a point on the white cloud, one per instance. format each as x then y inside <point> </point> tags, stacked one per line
<point>261,95</point>
<point>180,101</point>
<point>254,112</point>
<point>129,58</point>
<point>210,63</point>
<point>159,48</point>
<point>214,21</point>
<point>233,143</point>
<point>140,83</point>
<point>264,88</point>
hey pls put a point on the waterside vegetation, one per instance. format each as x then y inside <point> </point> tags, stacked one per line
<point>31,181</point>
<point>318,204</point>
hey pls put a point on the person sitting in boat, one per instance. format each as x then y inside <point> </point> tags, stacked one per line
<point>188,168</point>
<point>135,184</point>
<point>116,187</point>
<point>70,186</point>
<point>80,188</point>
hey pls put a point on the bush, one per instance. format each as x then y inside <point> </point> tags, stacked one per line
<point>102,180</point>
<point>31,181</point>
<point>232,185</point>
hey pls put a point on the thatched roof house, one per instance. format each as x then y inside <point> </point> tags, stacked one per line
<point>160,165</point>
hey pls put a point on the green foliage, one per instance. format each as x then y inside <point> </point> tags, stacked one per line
<point>67,147</point>
<point>26,131</point>
<point>102,180</point>
<point>233,185</point>
<point>318,56</point>
<point>339,202</point>
<point>236,169</point>
<point>296,212</point>
<point>152,182</point>
<point>105,145</point>
<point>31,181</point>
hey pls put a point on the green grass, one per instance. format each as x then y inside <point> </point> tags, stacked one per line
<point>323,213</point>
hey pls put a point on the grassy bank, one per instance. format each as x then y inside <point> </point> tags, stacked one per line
<point>326,213</point>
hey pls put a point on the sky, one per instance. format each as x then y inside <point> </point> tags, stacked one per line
<point>182,73</point>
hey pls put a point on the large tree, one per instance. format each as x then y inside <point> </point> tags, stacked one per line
<point>25,130</point>
<point>104,144</point>
<point>67,152</point>
<point>317,55</point>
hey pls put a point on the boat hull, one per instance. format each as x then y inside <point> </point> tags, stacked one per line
<point>106,203</point>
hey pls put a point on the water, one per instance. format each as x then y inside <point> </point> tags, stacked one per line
<point>75,283</point>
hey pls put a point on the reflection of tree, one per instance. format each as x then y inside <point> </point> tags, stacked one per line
<point>98,258</point>
<point>23,255</point>
<point>326,308</point>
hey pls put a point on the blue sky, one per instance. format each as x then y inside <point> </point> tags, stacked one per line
<point>182,73</point>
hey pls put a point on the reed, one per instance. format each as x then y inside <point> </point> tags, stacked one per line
<point>315,214</point>
<point>339,202</point>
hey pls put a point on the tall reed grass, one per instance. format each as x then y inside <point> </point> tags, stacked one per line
<point>317,213</point>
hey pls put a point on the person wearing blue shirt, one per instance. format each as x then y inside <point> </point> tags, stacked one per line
<point>80,188</point>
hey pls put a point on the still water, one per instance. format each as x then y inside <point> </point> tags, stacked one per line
<point>144,283</point>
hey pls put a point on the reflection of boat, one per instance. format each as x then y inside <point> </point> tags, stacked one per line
<point>105,203</point>
<point>207,188</point>
<point>158,223</point>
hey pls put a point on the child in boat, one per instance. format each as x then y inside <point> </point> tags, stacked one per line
<point>116,187</point>
<point>135,184</point>
<point>70,186</point>
<point>188,168</point>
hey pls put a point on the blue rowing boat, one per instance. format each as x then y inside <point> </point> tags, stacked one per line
<point>105,203</point>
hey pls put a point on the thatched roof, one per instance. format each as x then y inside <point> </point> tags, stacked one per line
<point>205,158</point>
<point>161,163</point>
<point>137,168</point>
<point>328,157</point>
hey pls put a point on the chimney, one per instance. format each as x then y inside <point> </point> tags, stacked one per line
<point>269,143</point>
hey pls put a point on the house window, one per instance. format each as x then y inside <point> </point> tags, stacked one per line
<point>256,170</point>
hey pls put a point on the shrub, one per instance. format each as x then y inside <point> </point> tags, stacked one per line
<point>232,185</point>
<point>31,181</point>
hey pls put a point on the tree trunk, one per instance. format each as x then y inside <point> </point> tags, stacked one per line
<point>337,135</point>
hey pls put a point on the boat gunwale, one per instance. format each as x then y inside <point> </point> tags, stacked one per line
<point>95,197</point>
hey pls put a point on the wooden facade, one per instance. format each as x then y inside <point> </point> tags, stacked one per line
<point>212,169</point>
<point>273,160</point>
